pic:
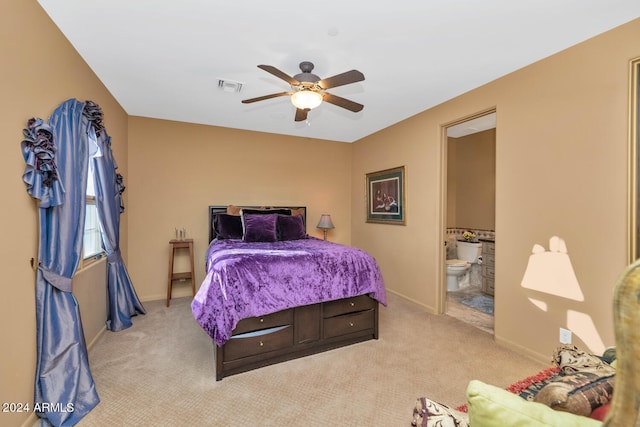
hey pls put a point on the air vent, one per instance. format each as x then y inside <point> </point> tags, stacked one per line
<point>229,85</point>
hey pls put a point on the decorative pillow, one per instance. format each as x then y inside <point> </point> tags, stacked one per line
<point>570,359</point>
<point>291,227</point>
<point>530,386</point>
<point>609,355</point>
<point>233,210</point>
<point>428,413</point>
<point>579,393</point>
<point>227,226</point>
<point>491,406</point>
<point>600,413</point>
<point>259,228</point>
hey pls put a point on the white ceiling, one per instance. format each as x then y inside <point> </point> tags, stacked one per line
<point>163,59</point>
<point>468,127</point>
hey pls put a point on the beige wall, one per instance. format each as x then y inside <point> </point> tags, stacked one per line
<point>40,70</point>
<point>179,169</point>
<point>471,181</point>
<point>561,169</point>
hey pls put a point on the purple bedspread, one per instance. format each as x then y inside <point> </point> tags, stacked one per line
<point>254,279</point>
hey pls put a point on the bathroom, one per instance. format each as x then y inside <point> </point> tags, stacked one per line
<point>471,154</point>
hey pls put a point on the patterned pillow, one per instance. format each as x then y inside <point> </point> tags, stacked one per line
<point>570,359</point>
<point>428,413</point>
<point>579,393</point>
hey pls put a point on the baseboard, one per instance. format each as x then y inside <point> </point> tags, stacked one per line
<point>533,355</point>
<point>177,293</point>
<point>97,337</point>
<point>32,421</point>
<point>430,310</point>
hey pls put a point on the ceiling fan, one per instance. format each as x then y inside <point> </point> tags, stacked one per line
<point>308,90</point>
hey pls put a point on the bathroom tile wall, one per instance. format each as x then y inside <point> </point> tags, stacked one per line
<point>456,233</point>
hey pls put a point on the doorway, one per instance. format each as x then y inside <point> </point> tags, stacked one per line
<point>469,158</point>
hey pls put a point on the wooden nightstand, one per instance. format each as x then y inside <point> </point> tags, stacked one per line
<point>187,275</point>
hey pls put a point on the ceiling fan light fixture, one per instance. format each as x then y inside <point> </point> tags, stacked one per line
<point>309,91</point>
<point>306,99</point>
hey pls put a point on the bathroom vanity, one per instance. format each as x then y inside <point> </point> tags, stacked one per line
<point>488,263</point>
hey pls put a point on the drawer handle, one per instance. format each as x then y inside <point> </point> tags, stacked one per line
<point>351,324</point>
<point>262,320</point>
<point>261,344</point>
<point>352,304</point>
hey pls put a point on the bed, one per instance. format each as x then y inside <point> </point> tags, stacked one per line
<point>268,298</point>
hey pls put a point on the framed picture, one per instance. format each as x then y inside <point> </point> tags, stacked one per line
<point>385,196</point>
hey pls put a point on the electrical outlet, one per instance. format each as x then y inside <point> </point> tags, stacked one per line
<point>565,336</point>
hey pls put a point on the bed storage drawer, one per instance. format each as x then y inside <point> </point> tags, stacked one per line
<point>348,323</point>
<point>348,305</point>
<point>259,342</point>
<point>307,330</point>
<point>280,318</point>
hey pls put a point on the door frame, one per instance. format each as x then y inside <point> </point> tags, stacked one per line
<point>441,277</point>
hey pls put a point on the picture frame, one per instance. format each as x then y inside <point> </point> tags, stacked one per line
<point>385,194</point>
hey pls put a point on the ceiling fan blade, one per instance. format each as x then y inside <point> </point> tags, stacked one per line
<point>262,98</point>
<point>341,79</point>
<point>280,74</point>
<point>342,102</point>
<point>301,115</point>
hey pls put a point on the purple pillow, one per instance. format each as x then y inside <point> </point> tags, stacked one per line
<point>291,227</point>
<point>259,228</point>
<point>228,226</point>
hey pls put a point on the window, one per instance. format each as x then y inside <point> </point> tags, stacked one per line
<point>92,245</point>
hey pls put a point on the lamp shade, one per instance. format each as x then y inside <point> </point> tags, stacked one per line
<point>306,99</point>
<point>325,222</point>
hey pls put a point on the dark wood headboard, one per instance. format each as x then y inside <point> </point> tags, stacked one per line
<point>214,210</point>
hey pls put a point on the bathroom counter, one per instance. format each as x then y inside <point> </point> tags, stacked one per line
<point>488,266</point>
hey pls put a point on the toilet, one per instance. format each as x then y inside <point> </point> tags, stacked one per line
<point>457,269</point>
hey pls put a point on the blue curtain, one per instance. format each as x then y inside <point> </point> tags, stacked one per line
<point>123,303</point>
<point>64,387</point>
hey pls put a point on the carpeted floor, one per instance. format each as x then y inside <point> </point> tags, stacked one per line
<point>160,372</point>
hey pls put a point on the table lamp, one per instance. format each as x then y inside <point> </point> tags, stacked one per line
<point>325,224</point>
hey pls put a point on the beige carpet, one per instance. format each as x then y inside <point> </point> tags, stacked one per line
<point>160,372</point>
